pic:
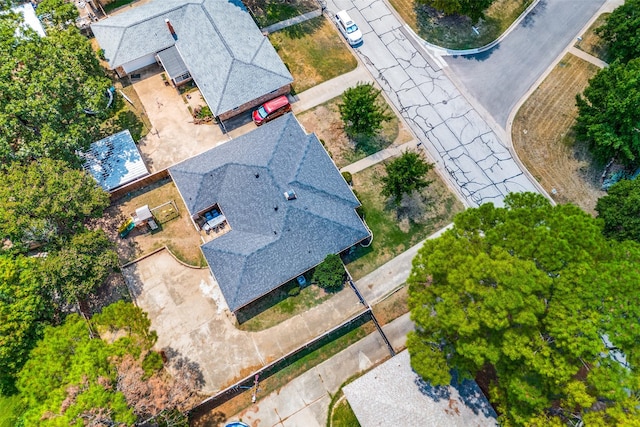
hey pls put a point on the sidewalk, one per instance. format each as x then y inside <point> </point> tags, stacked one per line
<point>292,21</point>
<point>305,400</point>
<point>329,89</point>
<point>379,156</point>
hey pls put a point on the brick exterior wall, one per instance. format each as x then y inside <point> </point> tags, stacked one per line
<point>251,104</point>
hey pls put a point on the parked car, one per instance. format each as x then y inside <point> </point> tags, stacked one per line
<point>271,109</point>
<point>348,28</point>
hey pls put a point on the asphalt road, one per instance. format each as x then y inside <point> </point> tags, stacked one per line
<point>498,78</point>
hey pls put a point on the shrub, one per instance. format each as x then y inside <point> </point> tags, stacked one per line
<point>348,177</point>
<point>151,364</point>
<point>330,273</point>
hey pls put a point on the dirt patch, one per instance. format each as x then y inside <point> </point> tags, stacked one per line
<point>324,120</point>
<point>543,138</point>
<point>392,307</point>
<point>175,231</point>
<point>591,42</point>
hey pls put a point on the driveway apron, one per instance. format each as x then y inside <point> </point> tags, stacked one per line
<point>464,147</point>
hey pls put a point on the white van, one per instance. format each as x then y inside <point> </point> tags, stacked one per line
<point>348,28</point>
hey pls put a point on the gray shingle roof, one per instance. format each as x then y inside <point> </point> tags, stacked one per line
<point>267,247</point>
<point>225,52</point>
<point>392,394</point>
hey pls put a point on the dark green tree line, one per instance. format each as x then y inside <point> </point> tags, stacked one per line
<point>537,300</point>
<point>46,84</point>
<point>608,115</point>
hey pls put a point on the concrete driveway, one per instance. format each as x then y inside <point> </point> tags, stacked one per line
<point>500,77</point>
<point>189,314</point>
<point>173,137</point>
<point>466,150</point>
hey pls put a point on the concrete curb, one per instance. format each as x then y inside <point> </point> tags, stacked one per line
<point>130,263</point>
<point>463,52</point>
<point>509,128</point>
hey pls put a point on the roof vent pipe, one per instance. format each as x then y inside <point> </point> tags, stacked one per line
<point>171,30</point>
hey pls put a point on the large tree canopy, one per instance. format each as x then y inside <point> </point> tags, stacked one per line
<point>622,31</point>
<point>45,86</point>
<point>608,113</point>
<point>474,9</point>
<point>46,201</point>
<point>620,210</point>
<point>76,378</point>
<point>535,299</point>
<point>81,265</point>
<point>24,312</point>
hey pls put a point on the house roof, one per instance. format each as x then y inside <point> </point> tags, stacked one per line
<point>114,161</point>
<point>392,394</point>
<point>272,239</point>
<point>225,52</point>
<point>172,62</point>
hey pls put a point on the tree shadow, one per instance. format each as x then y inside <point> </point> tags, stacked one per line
<point>183,366</point>
<point>304,28</point>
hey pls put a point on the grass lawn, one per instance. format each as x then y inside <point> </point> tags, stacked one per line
<point>456,32</point>
<point>280,305</point>
<point>397,229</point>
<point>116,4</point>
<point>343,415</point>
<point>10,409</point>
<point>592,43</point>
<point>269,384</point>
<point>178,234</point>
<point>543,137</point>
<point>324,120</point>
<point>313,51</point>
<point>268,12</point>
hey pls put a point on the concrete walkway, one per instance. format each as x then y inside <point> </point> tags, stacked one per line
<point>379,156</point>
<point>330,89</point>
<point>305,400</point>
<point>464,147</point>
<point>587,57</point>
<point>292,21</point>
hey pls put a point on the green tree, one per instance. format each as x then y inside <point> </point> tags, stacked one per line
<point>405,174</point>
<point>330,273</point>
<point>474,9</point>
<point>59,12</point>
<point>608,114</point>
<point>44,201</point>
<point>81,265</point>
<point>69,378</point>
<point>362,111</point>
<point>45,86</point>
<point>620,210</point>
<point>25,310</point>
<point>621,32</point>
<point>531,295</point>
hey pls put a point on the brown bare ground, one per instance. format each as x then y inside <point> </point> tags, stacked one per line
<point>543,138</point>
<point>591,42</point>
<point>179,234</point>
<point>392,307</point>
<point>324,120</point>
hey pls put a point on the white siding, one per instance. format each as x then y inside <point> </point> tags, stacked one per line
<point>136,64</point>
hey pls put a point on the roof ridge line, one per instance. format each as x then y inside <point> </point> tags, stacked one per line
<point>306,211</point>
